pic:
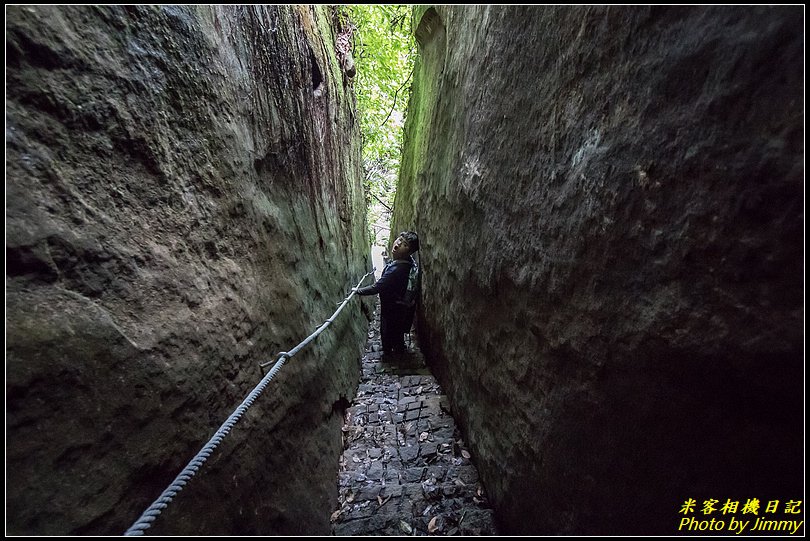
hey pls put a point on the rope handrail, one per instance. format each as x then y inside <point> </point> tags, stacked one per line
<point>146,519</point>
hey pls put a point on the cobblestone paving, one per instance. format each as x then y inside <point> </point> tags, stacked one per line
<point>404,469</point>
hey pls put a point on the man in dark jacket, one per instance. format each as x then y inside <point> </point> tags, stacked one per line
<point>391,287</point>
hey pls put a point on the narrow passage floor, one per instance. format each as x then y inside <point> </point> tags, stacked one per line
<point>405,469</point>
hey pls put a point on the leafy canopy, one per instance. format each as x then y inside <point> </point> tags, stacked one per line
<point>384,53</point>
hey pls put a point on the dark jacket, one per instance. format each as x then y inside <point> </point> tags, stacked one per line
<point>392,284</point>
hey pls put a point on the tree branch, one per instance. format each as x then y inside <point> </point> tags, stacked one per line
<point>381,203</point>
<point>395,97</point>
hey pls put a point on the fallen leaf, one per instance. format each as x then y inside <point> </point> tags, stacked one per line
<point>432,525</point>
<point>465,454</point>
<point>335,515</point>
<point>405,527</point>
<point>379,500</point>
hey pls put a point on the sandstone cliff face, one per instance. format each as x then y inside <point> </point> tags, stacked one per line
<point>184,200</point>
<point>610,209</point>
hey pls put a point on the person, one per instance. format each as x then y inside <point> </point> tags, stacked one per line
<point>392,285</point>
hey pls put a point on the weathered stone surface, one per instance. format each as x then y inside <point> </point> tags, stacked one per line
<point>609,202</point>
<point>184,200</point>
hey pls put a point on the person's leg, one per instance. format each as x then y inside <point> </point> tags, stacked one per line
<point>386,333</point>
<point>397,333</point>
<point>391,328</point>
<point>405,325</point>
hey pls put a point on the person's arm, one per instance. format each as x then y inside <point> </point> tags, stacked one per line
<point>382,285</point>
<point>368,290</point>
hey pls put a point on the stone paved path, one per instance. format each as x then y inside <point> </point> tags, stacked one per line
<point>404,469</point>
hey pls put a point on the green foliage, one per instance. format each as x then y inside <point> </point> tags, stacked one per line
<point>384,53</point>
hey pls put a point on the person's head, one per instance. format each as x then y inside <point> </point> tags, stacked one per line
<point>407,243</point>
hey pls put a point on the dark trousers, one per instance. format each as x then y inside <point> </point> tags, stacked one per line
<point>391,329</point>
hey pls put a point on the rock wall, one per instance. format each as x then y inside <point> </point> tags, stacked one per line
<point>184,200</point>
<point>611,217</point>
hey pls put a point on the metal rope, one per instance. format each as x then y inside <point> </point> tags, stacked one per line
<point>145,521</point>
